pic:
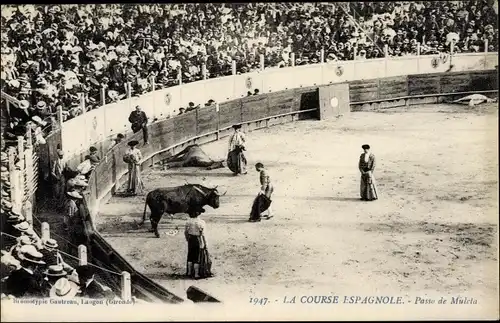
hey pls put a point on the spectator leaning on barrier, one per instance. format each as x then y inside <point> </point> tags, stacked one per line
<point>58,179</point>
<point>71,208</point>
<point>139,121</point>
<point>89,287</point>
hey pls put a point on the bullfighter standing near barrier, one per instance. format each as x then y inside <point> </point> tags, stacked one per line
<point>366,167</point>
<point>139,122</point>
<point>133,158</point>
<point>236,160</point>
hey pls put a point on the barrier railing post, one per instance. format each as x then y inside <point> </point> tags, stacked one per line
<point>45,231</point>
<point>486,44</point>
<point>233,67</point>
<point>153,83</point>
<point>386,60</point>
<point>60,117</point>
<point>29,139</point>
<point>126,286</point>
<point>81,95</point>
<point>12,176</point>
<point>292,59</point>
<point>204,71</point>
<point>27,211</point>
<point>129,90</point>
<point>322,58</point>
<point>82,255</point>
<point>418,49</point>
<point>20,172</point>
<point>103,96</point>
<point>179,75</point>
<point>355,52</point>
<point>261,62</point>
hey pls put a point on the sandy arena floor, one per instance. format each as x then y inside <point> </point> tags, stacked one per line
<point>432,232</point>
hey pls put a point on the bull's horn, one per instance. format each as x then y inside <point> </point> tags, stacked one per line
<point>224,193</point>
<point>216,187</point>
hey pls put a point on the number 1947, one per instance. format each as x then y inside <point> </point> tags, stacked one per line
<point>258,300</point>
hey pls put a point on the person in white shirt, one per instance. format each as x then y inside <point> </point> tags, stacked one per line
<point>198,259</point>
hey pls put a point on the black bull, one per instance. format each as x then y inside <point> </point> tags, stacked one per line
<point>181,199</point>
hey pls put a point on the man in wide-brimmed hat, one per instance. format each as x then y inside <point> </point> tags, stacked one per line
<point>57,177</point>
<point>64,289</point>
<point>236,160</point>
<point>26,281</point>
<point>52,274</point>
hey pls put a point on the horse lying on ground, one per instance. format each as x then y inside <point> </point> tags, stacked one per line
<point>475,99</point>
<point>179,199</point>
<point>193,156</point>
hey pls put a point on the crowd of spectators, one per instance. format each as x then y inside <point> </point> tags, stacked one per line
<point>36,267</point>
<point>67,56</point>
<point>64,55</point>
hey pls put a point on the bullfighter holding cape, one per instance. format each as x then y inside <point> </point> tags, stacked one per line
<point>263,200</point>
<point>236,160</point>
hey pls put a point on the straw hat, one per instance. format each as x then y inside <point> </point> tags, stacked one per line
<point>24,104</point>
<point>64,288</point>
<point>24,240</point>
<point>50,244</point>
<point>55,271</point>
<point>29,253</point>
<point>16,219</point>
<point>23,226</point>
<point>75,194</point>
<point>39,120</point>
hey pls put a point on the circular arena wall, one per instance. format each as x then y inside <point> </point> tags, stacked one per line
<point>289,94</point>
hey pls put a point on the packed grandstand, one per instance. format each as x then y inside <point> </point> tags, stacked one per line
<point>57,56</point>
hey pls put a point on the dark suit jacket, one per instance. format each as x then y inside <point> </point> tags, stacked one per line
<point>23,284</point>
<point>95,290</point>
<point>138,118</point>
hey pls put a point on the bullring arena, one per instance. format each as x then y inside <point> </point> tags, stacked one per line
<point>426,104</point>
<point>432,232</point>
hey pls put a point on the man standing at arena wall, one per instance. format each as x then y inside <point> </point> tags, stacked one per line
<point>139,121</point>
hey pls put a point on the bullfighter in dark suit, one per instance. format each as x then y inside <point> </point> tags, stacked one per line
<point>367,167</point>
<point>139,121</point>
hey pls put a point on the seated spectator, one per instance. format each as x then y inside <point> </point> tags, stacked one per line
<point>26,281</point>
<point>256,92</point>
<point>182,111</point>
<point>64,289</point>
<point>71,208</point>
<point>52,274</point>
<point>51,255</point>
